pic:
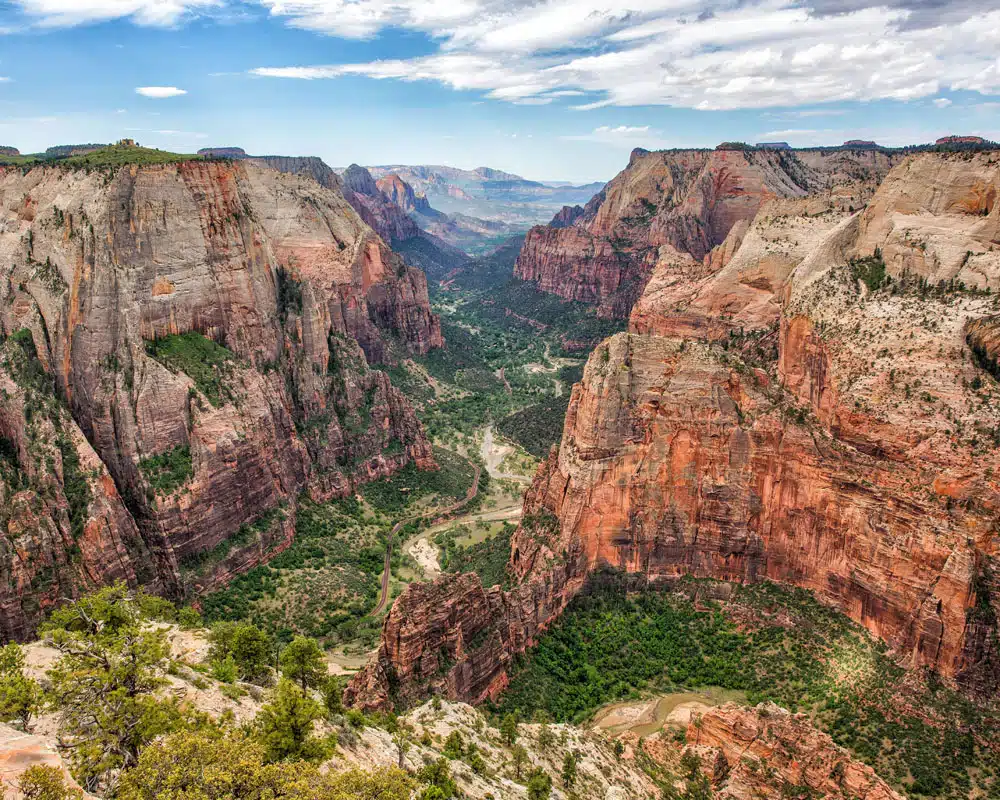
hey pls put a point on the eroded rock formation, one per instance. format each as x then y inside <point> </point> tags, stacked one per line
<point>188,350</point>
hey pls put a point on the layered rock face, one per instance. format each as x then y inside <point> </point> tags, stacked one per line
<point>807,410</point>
<point>207,329</point>
<point>677,206</point>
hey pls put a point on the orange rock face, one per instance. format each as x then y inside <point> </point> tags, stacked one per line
<point>797,416</point>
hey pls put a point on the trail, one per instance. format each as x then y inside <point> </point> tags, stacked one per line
<point>440,516</point>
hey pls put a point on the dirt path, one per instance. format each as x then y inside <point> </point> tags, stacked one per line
<point>439,516</point>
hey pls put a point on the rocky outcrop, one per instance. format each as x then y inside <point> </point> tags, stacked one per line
<point>389,220</point>
<point>456,638</point>
<point>9,151</point>
<point>399,192</point>
<point>566,216</point>
<point>678,206</point>
<point>809,413</point>
<point>207,329</point>
<point>766,752</point>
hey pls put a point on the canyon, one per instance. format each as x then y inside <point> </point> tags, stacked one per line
<point>188,347</point>
<point>803,395</point>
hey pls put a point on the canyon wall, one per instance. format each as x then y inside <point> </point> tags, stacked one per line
<point>678,205</point>
<point>187,350</point>
<point>807,410</point>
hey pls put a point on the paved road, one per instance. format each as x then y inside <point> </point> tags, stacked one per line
<point>439,516</point>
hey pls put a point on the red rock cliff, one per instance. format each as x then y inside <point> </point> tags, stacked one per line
<point>275,268</point>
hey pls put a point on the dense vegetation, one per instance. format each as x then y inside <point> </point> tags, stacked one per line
<point>775,644</point>
<point>410,485</point>
<point>487,558</point>
<point>204,361</point>
<point>538,427</point>
<point>323,585</point>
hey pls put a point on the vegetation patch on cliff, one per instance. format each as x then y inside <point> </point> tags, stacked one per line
<point>204,361</point>
<point>169,470</point>
<point>410,485</point>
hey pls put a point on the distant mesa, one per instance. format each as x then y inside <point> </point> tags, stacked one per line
<point>734,146</point>
<point>9,151</point>
<point>223,152</point>
<point>961,140</point>
<point>773,146</point>
<point>860,144</point>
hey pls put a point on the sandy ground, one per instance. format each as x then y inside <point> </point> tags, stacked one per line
<point>650,715</point>
<point>426,555</point>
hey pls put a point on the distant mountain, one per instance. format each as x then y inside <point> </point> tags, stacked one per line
<point>489,194</point>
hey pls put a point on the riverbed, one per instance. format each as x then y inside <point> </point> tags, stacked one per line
<point>651,714</point>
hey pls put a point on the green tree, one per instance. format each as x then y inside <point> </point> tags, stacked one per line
<point>213,765</point>
<point>105,685</point>
<point>302,661</point>
<point>11,659</point>
<point>539,785</point>
<point>203,766</point>
<point>20,696</point>
<point>474,759</point>
<point>569,770</point>
<point>40,782</point>
<point>508,729</point>
<point>520,757</point>
<point>333,695</point>
<point>20,699</point>
<point>248,645</point>
<point>545,737</point>
<point>286,723</point>
<point>454,747</point>
<point>437,775</point>
<point>402,742</point>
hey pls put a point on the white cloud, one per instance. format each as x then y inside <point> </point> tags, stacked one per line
<point>718,54</point>
<point>4,79</point>
<point>65,13</point>
<point>941,102</point>
<point>624,136</point>
<point>160,92</point>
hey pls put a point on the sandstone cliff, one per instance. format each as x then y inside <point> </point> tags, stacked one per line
<point>678,206</point>
<point>806,409</point>
<point>200,335</point>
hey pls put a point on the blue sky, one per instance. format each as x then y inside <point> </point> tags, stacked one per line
<point>550,89</point>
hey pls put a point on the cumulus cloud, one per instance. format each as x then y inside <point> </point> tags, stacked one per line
<point>160,92</point>
<point>65,13</point>
<point>941,102</point>
<point>720,54</point>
